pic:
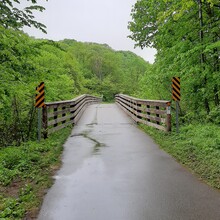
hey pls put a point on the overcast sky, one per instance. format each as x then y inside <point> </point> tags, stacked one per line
<point>100,21</point>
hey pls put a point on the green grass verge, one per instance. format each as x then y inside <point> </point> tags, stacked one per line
<point>26,173</point>
<point>197,146</point>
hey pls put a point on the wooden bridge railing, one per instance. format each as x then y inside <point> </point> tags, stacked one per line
<point>57,115</point>
<point>150,112</point>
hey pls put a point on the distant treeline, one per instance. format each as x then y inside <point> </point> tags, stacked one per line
<point>185,34</point>
<point>68,68</point>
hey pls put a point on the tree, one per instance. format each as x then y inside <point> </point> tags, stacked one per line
<point>186,36</point>
<point>13,17</point>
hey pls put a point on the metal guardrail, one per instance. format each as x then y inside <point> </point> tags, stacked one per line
<point>154,113</point>
<point>57,115</point>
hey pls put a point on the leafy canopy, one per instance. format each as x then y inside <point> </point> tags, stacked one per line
<point>13,17</point>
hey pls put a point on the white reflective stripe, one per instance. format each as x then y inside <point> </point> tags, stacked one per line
<point>168,110</point>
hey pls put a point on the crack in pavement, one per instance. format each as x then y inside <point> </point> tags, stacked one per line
<point>98,144</point>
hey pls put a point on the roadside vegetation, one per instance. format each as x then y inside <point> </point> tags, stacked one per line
<point>197,147</point>
<point>68,68</point>
<point>186,36</point>
<point>26,174</point>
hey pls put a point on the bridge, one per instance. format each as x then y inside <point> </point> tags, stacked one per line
<point>113,171</point>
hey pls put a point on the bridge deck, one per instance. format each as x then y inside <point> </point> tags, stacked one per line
<point>113,171</point>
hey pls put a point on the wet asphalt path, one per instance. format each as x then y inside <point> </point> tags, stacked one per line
<point>113,171</point>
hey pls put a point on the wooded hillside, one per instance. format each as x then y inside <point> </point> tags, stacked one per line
<point>186,34</point>
<point>187,38</point>
<point>68,68</point>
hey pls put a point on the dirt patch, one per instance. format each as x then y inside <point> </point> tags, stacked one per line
<point>13,189</point>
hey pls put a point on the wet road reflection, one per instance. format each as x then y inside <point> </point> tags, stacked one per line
<point>113,171</point>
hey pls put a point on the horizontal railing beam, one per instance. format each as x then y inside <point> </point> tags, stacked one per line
<point>57,115</point>
<point>154,113</point>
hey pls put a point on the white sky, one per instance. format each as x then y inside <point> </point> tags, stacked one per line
<point>100,21</point>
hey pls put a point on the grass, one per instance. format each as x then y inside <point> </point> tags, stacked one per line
<point>26,173</point>
<point>197,147</point>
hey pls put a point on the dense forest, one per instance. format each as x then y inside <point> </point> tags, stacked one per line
<point>68,68</point>
<point>185,34</point>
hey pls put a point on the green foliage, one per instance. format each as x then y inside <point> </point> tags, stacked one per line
<point>25,173</point>
<point>68,68</point>
<point>186,36</point>
<point>214,116</point>
<point>105,71</point>
<point>13,17</point>
<point>11,209</point>
<point>197,146</point>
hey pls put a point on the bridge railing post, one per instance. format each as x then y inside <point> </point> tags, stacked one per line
<point>157,115</point>
<point>55,116</point>
<point>148,113</point>
<point>168,117</point>
<point>64,114</point>
<point>139,111</point>
<point>44,122</point>
<point>72,105</point>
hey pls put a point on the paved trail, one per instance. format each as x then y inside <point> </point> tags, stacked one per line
<point>113,171</point>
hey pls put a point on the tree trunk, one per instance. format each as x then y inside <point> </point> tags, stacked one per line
<point>202,56</point>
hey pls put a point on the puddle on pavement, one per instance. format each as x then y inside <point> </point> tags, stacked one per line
<point>97,146</point>
<point>92,124</point>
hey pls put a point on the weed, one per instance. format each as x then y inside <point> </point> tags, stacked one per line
<point>197,146</point>
<point>29,169</point>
